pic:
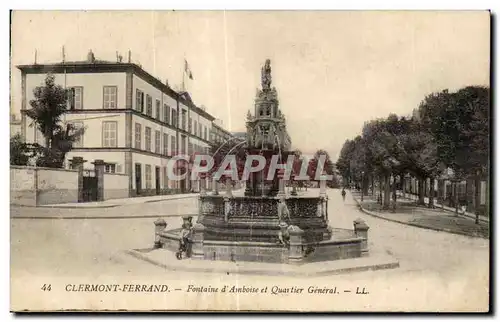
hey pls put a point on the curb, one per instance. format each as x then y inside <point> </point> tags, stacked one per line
<point>65,207</point>
<point>75,207</point>
<point>248,271</point>
<point>101,217</point>
<point>439,206</point>
<point>102,206</point>
<point>370,213</point>
<point>177,198</point>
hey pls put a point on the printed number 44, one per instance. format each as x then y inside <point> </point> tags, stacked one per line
<point>46,287</point>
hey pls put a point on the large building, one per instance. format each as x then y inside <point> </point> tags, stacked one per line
<point>132,120</point>
<point>219,135</point>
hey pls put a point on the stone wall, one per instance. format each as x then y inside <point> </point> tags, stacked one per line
<point>30,186</point>
<point>115,186</point>
<point>22,186</point>
<point>57,186</point>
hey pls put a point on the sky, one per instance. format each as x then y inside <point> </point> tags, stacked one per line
<point>333,70</point>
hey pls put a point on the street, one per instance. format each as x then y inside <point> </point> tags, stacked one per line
<point>92,248</point>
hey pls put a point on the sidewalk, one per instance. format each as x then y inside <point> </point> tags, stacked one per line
<point>437,204</point>
<point>408,213</point>
<point>122,202</point>
<point>111,203</point>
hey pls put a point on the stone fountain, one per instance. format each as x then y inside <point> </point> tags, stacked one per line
<point>247,227</point>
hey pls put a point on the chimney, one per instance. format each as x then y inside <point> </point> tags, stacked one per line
<point>90,57</point>
<point>119,58</point>
<point>129,56</point>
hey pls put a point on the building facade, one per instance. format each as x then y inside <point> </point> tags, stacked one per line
<point>15,125</point>
<point>132,120</point>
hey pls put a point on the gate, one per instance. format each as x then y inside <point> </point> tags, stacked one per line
<point>89,186</point>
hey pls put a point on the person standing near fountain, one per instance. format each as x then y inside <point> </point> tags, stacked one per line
<point>283,209</point>
<point>185,240</point>
<point>283,214</point>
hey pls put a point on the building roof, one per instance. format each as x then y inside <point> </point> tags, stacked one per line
<point>221,128</point>
<point>103,66</point>
<point>239,134</point>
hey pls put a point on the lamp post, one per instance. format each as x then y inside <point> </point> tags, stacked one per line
<point>362,184</point>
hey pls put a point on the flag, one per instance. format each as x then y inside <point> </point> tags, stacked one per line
<point>187,70</point>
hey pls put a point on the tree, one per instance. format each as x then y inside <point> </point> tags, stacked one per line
<point>49,105</point>
<point>459,122</point>
<point>19,151</point>
<point>383,148</point>
<point>421,151</point>
<point>328,166</point>
<point>343,163</point>
<point>298,161</point>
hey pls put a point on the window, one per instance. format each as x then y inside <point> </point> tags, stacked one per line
<point>205,133</point>
<point>78,143</point>
<point>138,135</point>
<point>148,138</point>
<point>174,118</point>
<point>148,176</point>
<point>189,126</point>
<point>183,145</point>
<point>190,148</point>
<point>166,113</point>
<point>157,108</point>
<point>157,141</point>
<point>165,144</point>
<point>183,120</point>
<point>200,133</point>
<point>109,134</point>
<point>110,168</point>
<point>110,97</point>
<point>195,126</point>
<point>173,146</point>
<point>149,106</point>
<point>76,98</point>
<point>165,178</point>
<point>139,103</point>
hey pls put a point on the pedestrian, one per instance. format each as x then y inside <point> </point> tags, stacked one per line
<point>284,234</point>
<point>184,241</point>
<point>464,209</point>
<point>343,194</point>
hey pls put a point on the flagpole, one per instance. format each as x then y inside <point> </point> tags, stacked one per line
<point>64,63</point>
<point>184,74</point>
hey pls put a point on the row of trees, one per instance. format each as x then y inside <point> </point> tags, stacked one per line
<point>447,130</point>
<point>49,104</point>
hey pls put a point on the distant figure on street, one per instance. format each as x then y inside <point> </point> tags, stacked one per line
<point>343,194</point>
